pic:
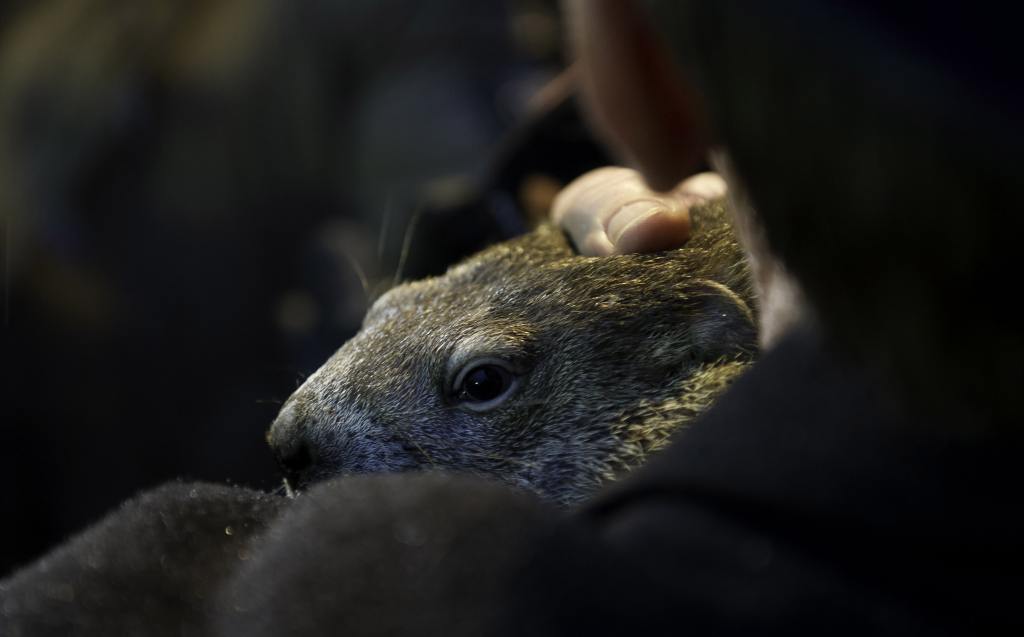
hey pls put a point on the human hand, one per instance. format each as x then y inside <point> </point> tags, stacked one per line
<point>611,210</point>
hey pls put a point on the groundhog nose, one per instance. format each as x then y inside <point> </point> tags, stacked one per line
<point>290,446</point>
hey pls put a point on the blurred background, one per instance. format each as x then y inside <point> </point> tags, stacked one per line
<point>199,198</point>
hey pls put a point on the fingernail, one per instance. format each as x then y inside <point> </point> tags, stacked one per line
<point>630,214</point>
<point>663,229</point>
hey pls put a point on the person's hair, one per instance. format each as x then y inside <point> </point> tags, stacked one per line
<point>886,178</point>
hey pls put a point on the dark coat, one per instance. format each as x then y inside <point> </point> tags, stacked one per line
<point>807,501</point>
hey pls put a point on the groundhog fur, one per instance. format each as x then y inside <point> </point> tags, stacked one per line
<point>611,355</point>
<point>595,362</point>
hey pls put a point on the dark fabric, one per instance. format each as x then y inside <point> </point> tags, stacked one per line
<point>808,501</point>
<point>150,568</point>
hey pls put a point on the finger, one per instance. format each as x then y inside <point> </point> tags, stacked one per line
<point>641,227</point>
<point>663,221</point>
<point>601,204</point>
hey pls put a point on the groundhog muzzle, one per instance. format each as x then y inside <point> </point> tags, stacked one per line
<point>530,364</point>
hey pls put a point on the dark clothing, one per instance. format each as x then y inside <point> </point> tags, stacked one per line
<point>809,499</point>
<point>806,501</point>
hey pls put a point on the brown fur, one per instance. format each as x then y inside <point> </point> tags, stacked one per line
<point>611,356</point>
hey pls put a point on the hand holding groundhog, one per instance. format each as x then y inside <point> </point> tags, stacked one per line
<point>611,210</point>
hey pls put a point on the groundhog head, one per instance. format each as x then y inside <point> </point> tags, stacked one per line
<point>529,364</point>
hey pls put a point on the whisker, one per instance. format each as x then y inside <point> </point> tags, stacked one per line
<point>433,465</point>
<point>407,243</point>
<point>288,491</point>
<point>398,433</point>
<point>363,282</point>
<point>384,223</point>
<point>281,490</point>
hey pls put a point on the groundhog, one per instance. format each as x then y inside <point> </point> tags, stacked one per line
<point>530,364</point>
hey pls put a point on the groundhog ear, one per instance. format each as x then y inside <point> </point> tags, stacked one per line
<point>719,324</point>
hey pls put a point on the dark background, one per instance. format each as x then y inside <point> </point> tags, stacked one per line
<point>200,198</point>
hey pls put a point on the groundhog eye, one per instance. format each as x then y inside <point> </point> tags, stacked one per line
<point>483,385</point>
